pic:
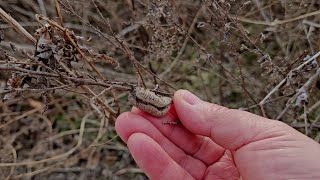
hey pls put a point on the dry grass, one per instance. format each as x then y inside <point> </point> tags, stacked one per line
<point>61,101</point>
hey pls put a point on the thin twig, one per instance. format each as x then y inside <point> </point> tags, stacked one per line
<point>243,82</point>
<point>125,48</point>
<point>314,123</point>
<point>111,39</point>
<point>275,89</point>
<point>28,113</point>
<point>105,143</point>
<point>67,33</point>
<point>275,22</point>
<point>58,9</point>
<point>16,25</point>
<point>184,45</point>
<point>79,81</point>
<point>304,89</point>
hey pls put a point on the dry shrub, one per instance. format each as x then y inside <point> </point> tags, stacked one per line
<point>62,94</point>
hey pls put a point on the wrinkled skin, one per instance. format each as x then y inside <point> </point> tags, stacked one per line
<point>213,142</point>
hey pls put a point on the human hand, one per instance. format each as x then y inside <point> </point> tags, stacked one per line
<point>213,142</point>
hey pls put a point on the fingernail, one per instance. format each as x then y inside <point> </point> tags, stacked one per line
<point>190,98</point>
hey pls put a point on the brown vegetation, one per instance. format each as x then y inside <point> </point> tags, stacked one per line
<point>66,68</point>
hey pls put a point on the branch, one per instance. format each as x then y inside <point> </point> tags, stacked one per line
<point>16,25</point>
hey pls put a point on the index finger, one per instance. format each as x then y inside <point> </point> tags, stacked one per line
<point>200,147</point>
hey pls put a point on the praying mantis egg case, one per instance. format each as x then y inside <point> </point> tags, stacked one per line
<point>150,102</point>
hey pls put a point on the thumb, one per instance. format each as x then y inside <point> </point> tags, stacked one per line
<point>229,128</point>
